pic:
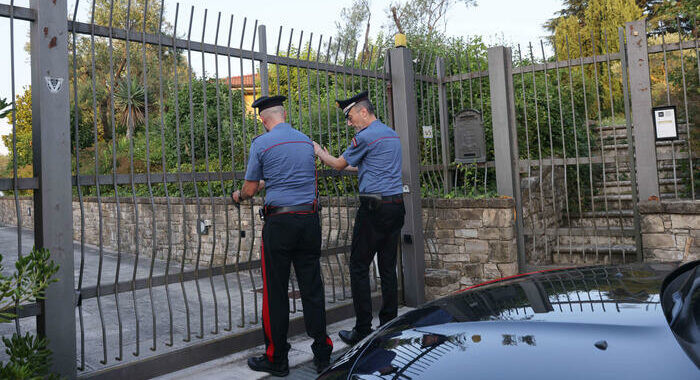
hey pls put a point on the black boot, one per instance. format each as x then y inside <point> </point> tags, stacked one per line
<point>262,364</point>
<point>351,337</point>
<point>321,364</point>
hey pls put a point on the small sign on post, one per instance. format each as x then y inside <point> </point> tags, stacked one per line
<point>427,131</point>
<point>665,123</point>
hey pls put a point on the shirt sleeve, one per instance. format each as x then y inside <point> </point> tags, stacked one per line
<point>356,151</point>
<point>254,169</point>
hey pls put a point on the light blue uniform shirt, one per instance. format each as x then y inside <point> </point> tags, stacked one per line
<point>376,152</point>
<point>284,158</point>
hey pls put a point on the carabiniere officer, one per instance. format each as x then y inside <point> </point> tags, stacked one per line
<point>376,153</point>
<point>284,158</point>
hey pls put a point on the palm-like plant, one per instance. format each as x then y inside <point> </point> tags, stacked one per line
<point>130,101</point>
<point>5,108</point>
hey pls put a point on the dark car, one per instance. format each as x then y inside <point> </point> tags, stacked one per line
<point>579,323</point>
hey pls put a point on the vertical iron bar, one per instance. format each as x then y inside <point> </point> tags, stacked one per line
<point>602,149</point>
<point>209,188</point>
<point>252,217</point>
<point>252,214</point>
<point>277,65</point>
<point>527,149</point>
<point>76,118</point>
<point>341,180</point>
<point>573,123</point>
<point>114,180</point>
<point>193,168</point>
<point>164,165</point>
<point>132,127</point>
<point>614,134</point>
<point>668,102</point>
<point>233,163</point>
<point>193,163</point>
<point>563,148</point>
<point>233,171</point>
<point>331,179</point>
<point>685,107</point>
<point>539,152</point>
<point>551,148</point>
<point>154,226</point>
<point>185,228</point>
<point>590,157</point>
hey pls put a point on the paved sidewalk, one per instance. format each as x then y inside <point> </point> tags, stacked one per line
<point>234,367</point>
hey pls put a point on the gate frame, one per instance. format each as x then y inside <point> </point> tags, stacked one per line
<point>53,216</point>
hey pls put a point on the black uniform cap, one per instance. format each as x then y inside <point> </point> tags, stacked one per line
<point>347,104</point>
<point>265,102</point>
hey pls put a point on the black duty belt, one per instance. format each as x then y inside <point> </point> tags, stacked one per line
<point>272,210</point>
<point>398,198</point>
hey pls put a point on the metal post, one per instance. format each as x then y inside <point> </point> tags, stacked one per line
<point>53,218</point>
<point>444,125</point>
<point>405,123</point>
<point>262,41</point>
<point>505,136</point>
<point>640,92</point>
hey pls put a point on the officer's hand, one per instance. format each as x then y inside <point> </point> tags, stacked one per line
<point>317,148</point>
<point>236,196</point>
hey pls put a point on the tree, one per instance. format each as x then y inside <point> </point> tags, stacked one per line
<point>23,131</point>
<point>599,17</point>
<point>351,20</point>
<point>4,108</point>
<point>422,16</point>
<point>134,67</point>
<point>577,9</point>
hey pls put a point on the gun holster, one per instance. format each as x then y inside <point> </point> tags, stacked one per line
<point>373,200</point>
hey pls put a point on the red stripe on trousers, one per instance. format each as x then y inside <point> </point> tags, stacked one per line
<point>270,352</point>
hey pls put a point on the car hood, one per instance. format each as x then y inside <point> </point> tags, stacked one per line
<point>602,322</point>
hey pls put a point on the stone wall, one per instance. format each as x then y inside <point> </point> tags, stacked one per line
<point>472,240</point>
<point>670,230</point>
<point>119,228</point>
<point>467,241</point>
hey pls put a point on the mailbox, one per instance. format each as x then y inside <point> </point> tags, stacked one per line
<point>470,143</point>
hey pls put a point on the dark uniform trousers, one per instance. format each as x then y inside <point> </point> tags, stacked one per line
<point>293,239</point>
<point>375,231</point>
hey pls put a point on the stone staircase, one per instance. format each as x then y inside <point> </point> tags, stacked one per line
<point>604,232</point>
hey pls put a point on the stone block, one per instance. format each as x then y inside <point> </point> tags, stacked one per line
<point>476,246</point>
<point>491,271</point>
<point>652,223</point>
<point>456,257</point>
<point>479,258</point>
<point>508,269</point>
<point>658,241</point>
<point>440,277</point>
<point>685,221</point>
<point>502,252</point>
<point>472,214</point>
<point>490,233</point>
<point>445,234</point>
<point>472,270</point>
<point>498,218</point>
<point>663,255</point>
<point>466,233</point>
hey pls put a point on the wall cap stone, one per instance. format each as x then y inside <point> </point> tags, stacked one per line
<point>468,203</point>
<point>670,207</point>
